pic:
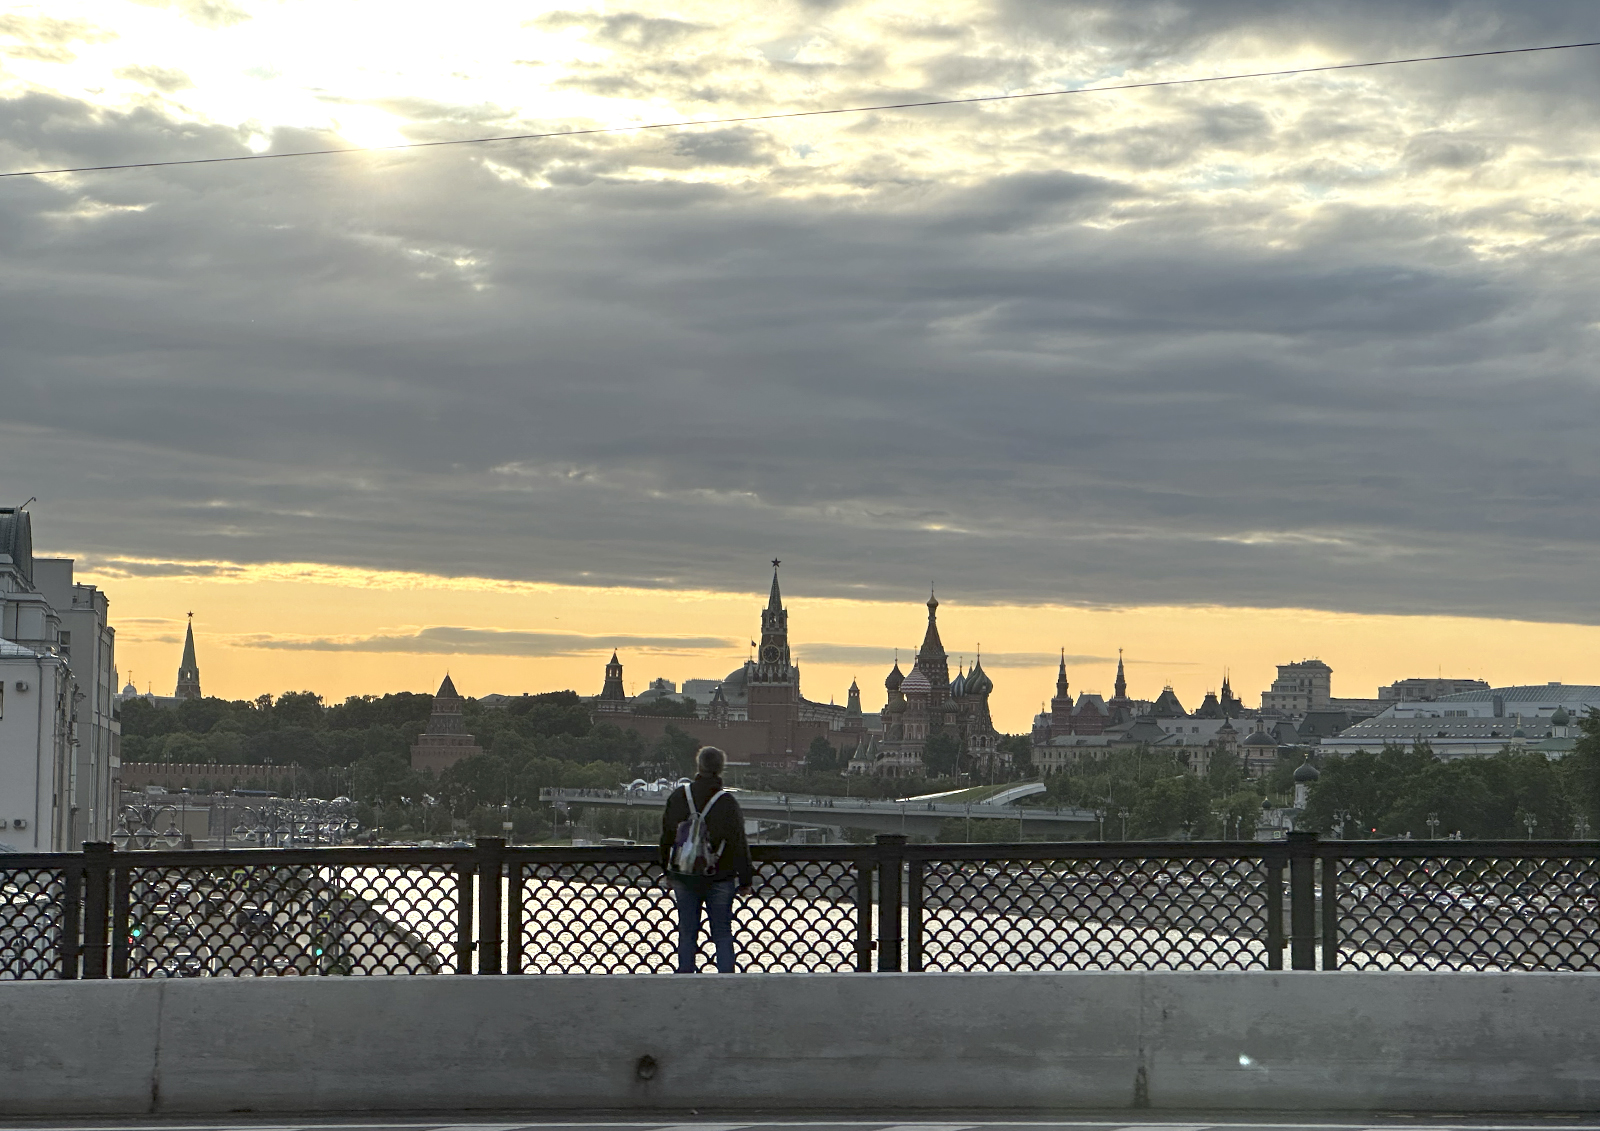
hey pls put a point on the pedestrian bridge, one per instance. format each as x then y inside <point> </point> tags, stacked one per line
<point>922,817</point>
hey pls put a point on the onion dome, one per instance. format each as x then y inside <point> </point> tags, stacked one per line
<point>897,706</point>
<point>1561,718</point>
<point>916,683</point>
<point>1519,733</point>
<point>958,686</point>
<point>896,678</point>
<point>1306,773</point>
<point>978,681</point>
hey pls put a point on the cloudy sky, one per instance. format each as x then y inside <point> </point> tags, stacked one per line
<point>1223,374</point>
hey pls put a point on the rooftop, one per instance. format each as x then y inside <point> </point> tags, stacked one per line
<point>1546,694</point>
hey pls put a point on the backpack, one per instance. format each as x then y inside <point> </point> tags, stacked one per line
<point>692,854</point>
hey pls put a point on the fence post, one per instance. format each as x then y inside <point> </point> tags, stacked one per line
<point>864,867</point>
<point>1302,901</point>
<point>1274,893</point>
<point>121,920</point>
<point>514,916</point>
<point>914,916</point>
<point>466,871</point>
<point>68,947</point>
<point>1330,913</point>
<point>96,906</point>
<point>491,850</point>
<point>891,868</point>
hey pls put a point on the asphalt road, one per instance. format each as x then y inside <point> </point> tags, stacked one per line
<point>708,1122</point>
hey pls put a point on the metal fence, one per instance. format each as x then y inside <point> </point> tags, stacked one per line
<point>1301,903</point>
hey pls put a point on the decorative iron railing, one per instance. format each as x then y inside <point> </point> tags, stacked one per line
<point>491,908</point>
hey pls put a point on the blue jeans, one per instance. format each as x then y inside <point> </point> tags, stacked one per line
<point>716,896</point>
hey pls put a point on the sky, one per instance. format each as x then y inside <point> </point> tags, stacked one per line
<point>1224,375</point>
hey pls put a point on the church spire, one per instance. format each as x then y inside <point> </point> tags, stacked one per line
<point>188,669</point>
<point>931,657</point>
<point>1061,676</point>
<point>1122,680</point>
<point>613,695</point>
<point>772,656</point>
<point>931,644</point>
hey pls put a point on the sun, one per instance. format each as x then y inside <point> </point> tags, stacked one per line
<point>368,127</point>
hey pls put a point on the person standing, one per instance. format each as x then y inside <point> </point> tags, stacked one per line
<point>706,862</point>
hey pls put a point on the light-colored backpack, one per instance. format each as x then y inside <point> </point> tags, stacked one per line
<point>692,854</point>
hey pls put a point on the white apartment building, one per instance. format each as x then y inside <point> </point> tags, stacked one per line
<point>1299,688</point>
<point>1428,688</point>
<point>58,739</point>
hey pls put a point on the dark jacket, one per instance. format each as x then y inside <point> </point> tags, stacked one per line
<point>724,826</point>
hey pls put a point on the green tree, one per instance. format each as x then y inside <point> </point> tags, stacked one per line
<point>1171,805</point>
<point>1018,750</point>
<point>674,752</point>
<point>670,708</point>
<point>1582,774</point>
<point>298,708</point>
<point>941,755</point>
<point>821,757</point>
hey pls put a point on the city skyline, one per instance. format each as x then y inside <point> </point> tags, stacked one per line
<point>835,641</point>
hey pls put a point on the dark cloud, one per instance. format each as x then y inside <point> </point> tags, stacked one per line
<point>724,147</point>
<point>450,640</point>
<point>1247,345</point>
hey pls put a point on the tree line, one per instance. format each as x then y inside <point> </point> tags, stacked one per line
<point>1511,795</point>
<point>361,748</point>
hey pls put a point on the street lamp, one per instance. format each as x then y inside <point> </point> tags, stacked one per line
<point>1123,813</point>
<point>1433,826</point>
<point>1339,818</point>
<point>136,827</point>
<point>1529,822</point>
<point>1580,828</point>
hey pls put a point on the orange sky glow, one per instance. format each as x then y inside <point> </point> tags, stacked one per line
<point>277,628</point>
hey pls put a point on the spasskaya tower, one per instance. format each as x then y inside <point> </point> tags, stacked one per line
<point>774,685</point>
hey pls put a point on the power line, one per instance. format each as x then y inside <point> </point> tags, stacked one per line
<point>690,123</point>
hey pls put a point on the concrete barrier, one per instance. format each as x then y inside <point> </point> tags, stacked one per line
<point>1225,1041</point>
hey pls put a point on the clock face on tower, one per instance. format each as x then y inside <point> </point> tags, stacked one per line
<point>770,653</point>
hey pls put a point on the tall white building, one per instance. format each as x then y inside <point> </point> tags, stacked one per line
<point>1302,687</point>
<point>58,739</point>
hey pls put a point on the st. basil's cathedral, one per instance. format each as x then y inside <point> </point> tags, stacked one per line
<point>758,715</point>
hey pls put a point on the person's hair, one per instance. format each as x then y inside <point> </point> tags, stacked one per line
<point>710,760</point>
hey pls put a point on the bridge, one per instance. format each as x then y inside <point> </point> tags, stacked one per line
<point>922,817</point>
<point>1292,976</point>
